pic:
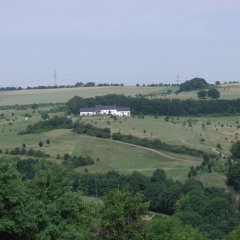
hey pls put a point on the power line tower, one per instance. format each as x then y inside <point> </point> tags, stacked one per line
<point>177,79</point>
<point>55,77</point>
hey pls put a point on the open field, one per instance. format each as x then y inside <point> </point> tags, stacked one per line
<point>226,92</point>
<point>64,94</point>
<point>196,132</point>
<point>114,155</point>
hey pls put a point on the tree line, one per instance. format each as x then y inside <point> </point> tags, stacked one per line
<point>163,107</point>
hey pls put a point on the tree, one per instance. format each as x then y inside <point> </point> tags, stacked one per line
<point>234,235</point>
<point>217,83</point>
<point>159,175</point>
<point>233,176</point>
<point>235,149</point>
<point>48,141</point>
<point>66,218</point>
<point>121,217</point>
<point>172,229</point>
<point>193,84</point>
<point>45,116</point>
<point>16,216</point>
<point>213,93</point>
<point>202,94</point>
<point>40,144</point>
<point>34,106</point>
<point>138,182</point>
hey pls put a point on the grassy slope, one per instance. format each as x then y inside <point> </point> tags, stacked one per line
<point>173,132</point>
<point>112,155</point>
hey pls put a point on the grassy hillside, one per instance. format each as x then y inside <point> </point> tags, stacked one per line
<point>197,132</point>
<point>113,155</point>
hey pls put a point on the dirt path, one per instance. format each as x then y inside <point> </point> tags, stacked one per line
<point>155,151</point>
<point>213,149</point>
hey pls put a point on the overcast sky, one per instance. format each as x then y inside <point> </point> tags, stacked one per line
<point>124,41</point>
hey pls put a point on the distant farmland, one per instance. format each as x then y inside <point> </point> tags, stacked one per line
<point>64,94</point>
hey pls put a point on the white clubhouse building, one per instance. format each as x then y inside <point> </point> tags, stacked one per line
<point>105,110</point>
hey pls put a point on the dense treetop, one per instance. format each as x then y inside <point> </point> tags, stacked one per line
<point>194,84</point>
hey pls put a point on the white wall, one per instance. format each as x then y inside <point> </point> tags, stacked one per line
<point>87,113</point>
<point>106,112</point>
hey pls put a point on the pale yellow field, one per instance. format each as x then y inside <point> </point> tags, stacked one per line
<point>62,95</point>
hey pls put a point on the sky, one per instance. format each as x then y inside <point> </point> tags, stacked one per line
<point>118,41</point>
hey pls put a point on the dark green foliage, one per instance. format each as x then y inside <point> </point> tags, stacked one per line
<point>76,161</point>
<point>162,192</point>
<point>26,167</point>
<point>163,107</point>
<point>100,184</point>
<point>81,128</point>
<point>16,220</point>
<point>213,93</point>
<point>43,126</point>
<point>234,235</point>
<point>202,94</point>
<point>137,182</point>
<point>121,217</point>
<point>235,150</point>
<point>193,84</point>
<point>29,152</point>
<point>159,175</point>
<point>45,116</point>
<point>42,200</point>
<point>172,229</point>
<point>34,106</point>
<point>209,209</point>
<point>233,176</point>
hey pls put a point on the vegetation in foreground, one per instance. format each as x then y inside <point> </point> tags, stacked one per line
<point>50,206</point>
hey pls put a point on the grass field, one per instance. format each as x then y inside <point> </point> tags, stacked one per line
<point>226,92</point>
<point>189,131</point>
<point>64,94</point>
<point>113,155</point>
